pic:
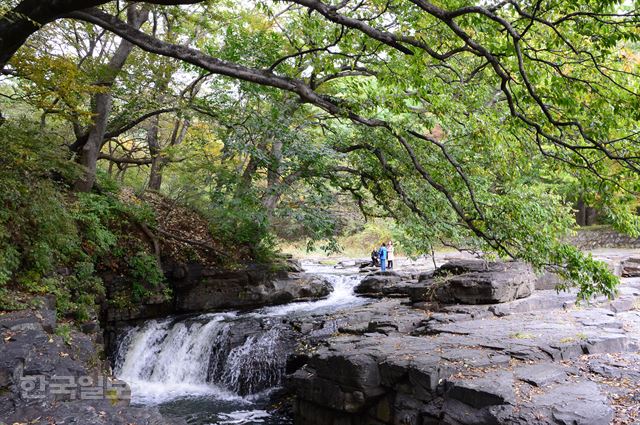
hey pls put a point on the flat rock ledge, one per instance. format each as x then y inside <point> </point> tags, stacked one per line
<point>211,290</point>
<point>537,360</point>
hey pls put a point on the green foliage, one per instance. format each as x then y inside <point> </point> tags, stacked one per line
<point>36,231</point>
<point>63,330</point>
<point>93,212</point>
<point>485,147</point>
<point>52,242</point>
<point>592,277</point>
<point>147,277</point>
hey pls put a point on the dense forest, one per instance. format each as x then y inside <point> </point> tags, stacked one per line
<point>475,126</point>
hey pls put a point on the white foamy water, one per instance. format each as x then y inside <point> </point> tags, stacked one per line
<point>243,416</point>
<point>341,296</point>
<point>161,360</point>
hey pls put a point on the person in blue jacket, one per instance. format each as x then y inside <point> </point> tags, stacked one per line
<point>382,255</point>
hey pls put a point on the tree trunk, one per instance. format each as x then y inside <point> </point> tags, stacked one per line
<point>274,179</point>
<point>90,151</point>
<point>158,161</point>
<point>591,216</point>
<point>155,175</point>
<point>581,218</point>
<point>101,107</point>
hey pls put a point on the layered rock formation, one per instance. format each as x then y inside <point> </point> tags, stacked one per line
<point>631,267</point>
<point>459,281</point>
<point>197,289</point>
<point>540,359</point>
<point>478,282</point>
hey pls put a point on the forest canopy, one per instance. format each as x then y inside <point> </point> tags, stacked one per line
<point>474,124</point>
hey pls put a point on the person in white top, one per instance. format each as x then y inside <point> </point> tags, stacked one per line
<point>390,254</point>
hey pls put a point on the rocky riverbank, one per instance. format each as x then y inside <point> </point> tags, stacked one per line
<point>52,373</point>
<point>539,359</point>
<point>49,377</point>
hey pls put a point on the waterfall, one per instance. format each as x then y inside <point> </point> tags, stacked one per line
<point>255,365</point>
<point>228,356</point>
<point>200,355</point>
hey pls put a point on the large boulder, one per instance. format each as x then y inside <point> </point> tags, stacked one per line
<point>301,287</point>
<point>378,283</point>
<point>477,282</point>
<point>293,266</point>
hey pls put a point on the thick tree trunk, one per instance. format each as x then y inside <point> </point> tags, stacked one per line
<point>581,216</point>
<point>591,216</point>
<point>101,107</point>
<point>158,162</point>
<point>247,175</point>
<point>155,176</point>
<point>91,149</point>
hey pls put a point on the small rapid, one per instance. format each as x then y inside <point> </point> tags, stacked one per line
<point>223,365</point>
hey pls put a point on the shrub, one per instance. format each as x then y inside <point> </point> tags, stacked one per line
<point>55,242</point>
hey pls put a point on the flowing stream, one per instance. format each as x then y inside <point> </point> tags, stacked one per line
<point>221,368</point>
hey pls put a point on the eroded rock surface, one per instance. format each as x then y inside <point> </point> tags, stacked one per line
<point>207,290</point>
<point>540,359</point>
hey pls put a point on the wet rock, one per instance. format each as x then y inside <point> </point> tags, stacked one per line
<point>386,284</point>
<point>213,290</point>
<point>293,266</point>
<point>304,286</point>
<point>101,412</point>
<point>376,282</point>
<point>369,269</point>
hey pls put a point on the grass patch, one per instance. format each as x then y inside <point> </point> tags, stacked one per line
<point>521,335</point>
<point>63,330</point>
